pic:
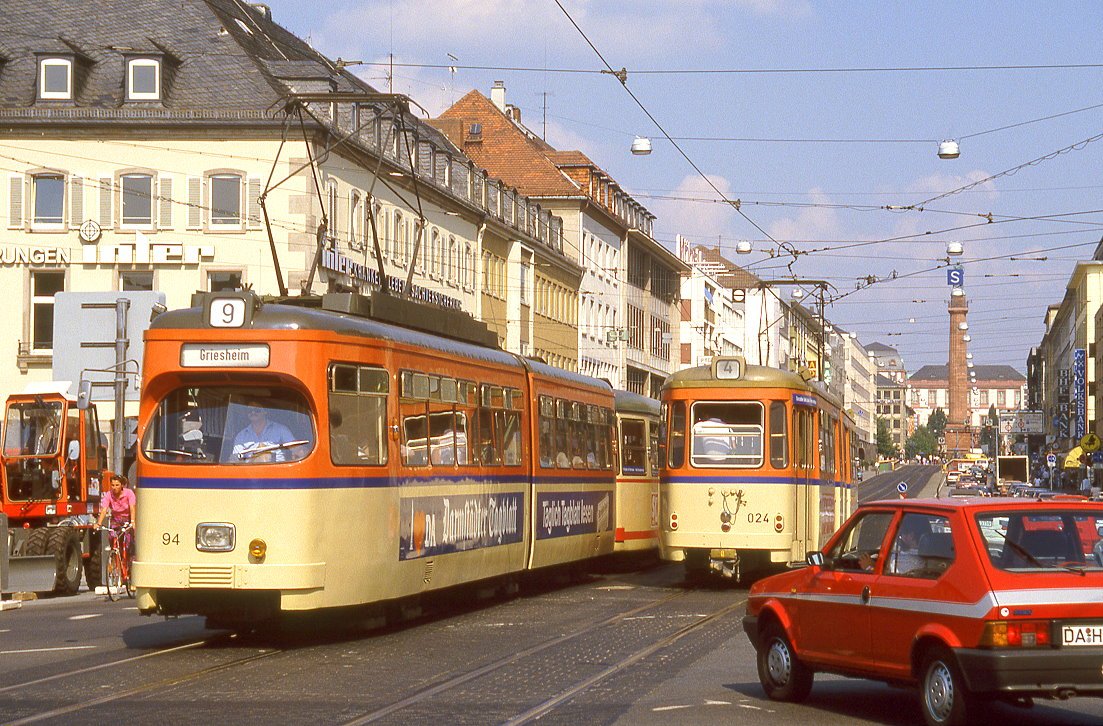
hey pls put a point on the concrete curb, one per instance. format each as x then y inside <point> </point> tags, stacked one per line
<point>10,604</point>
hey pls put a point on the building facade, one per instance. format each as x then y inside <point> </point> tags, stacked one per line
<point>131,166</point>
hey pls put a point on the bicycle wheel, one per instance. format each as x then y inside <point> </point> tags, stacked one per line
<point>128,578</point>
<point>114,575</point>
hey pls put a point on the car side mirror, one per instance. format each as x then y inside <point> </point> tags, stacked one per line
<point>815,559</point>
<point>73,453</point>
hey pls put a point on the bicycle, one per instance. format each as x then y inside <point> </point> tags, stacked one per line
<point>118,562</point>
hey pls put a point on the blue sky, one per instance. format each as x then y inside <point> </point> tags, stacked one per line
<point>822,151</point>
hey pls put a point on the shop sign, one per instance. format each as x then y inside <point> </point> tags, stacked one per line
<point>336,262</point>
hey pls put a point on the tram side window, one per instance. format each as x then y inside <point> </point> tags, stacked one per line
<point>547,432</point>
<point>727,433</point>
<point>489,440</point>
<point>677,446</point>
<point>633,446</point>
<point>509,423</point>
<point>562,434</point>
<point>827,445</point>
<point>358,414</point>
<point>779,435</point>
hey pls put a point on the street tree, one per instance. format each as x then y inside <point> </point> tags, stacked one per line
<point>936,423</point>
<point>922,442</point>
<point>885,446</point>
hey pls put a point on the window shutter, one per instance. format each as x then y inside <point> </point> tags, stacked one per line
<point>254,218</point>
<point>76,202</point>
<point>195,201</point>
<point>164,198</point>
<point>15,201</point>
<point>107,194</point>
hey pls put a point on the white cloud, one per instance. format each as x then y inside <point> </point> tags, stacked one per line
<point>696,220</point>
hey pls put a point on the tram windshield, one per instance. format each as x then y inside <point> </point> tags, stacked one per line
<point>235,426</point>
<point>727,433</point>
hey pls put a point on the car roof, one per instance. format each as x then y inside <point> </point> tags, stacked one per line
<point>981,503</point>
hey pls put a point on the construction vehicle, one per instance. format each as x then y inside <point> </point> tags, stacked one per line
<point>50,480</point>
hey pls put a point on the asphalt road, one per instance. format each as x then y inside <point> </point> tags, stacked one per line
<point>628,645</point>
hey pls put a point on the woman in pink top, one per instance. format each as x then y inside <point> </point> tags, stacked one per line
<point>118,500</point>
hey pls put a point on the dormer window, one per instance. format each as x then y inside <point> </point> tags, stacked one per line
<point>143,79</point>
<point>55,79</point>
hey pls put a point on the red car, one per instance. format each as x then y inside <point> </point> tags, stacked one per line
<point>971,599</point>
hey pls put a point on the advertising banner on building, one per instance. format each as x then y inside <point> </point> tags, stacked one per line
<point>1079,392</point>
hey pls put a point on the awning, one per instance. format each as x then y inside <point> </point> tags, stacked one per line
<point>1072,459</point>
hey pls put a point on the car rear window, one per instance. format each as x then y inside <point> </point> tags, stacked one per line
<point>1038,540</point>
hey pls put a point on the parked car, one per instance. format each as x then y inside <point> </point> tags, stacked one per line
<point>969,599</point>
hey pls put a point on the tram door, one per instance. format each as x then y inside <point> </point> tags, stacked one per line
<point>805,483</point>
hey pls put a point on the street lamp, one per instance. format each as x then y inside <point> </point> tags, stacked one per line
<point>966,337</point>
<point>949,149</point>
<point>954,249</point>
<point>641,146</point>
<point>963,326</point>
<point>743,247</point>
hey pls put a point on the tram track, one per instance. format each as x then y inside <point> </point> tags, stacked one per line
<point>126,693</point>
<point>564,694</point>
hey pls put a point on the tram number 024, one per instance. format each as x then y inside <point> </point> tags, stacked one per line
<point>758,517</point>
<point>169,538</point>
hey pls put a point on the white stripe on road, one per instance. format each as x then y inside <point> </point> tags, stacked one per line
<point>46,650</point>
<point>672,708</point>
<point>85,617</point>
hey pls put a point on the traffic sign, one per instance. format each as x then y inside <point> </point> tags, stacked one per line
<point>955,277</point>
<point>1090,443</point>
<point>1051,460</point>
<point>902,487</point>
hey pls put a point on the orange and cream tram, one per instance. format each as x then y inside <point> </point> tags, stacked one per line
<point>321,455</point>
<point>756,468</point>
<point>638,478</point>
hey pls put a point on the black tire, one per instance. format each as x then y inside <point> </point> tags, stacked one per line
<point>93,566</point>
<point>943,697</point>
<point>37,542</point>
<point>783,676</point>
<point>64,545</point>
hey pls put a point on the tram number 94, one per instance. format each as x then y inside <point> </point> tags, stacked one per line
<point>758,517</point>
<point>169,538</point>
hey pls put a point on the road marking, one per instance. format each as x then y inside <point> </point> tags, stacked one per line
<point>46,650</point>
<point>617,587</point>
<point>86,617</point>
<point>747,705</point>
<point>717,703</point>
<point>672,708</point>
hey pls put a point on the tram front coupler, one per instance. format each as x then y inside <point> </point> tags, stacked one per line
<point>725,565</point>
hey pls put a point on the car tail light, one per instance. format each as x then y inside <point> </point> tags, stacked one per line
<point>1016,633</point>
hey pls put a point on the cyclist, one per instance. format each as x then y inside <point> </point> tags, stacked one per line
<point>120,502</point>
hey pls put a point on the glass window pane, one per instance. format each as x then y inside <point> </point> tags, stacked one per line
<point>55,78</point>
<point>143,78</point>
<point>49,195</point>
<point>225,199</point>
<point>137,199</point>
<point>222,281</point>
<point>136,281</point>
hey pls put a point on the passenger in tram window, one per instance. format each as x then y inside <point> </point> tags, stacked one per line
<point>562,459</point>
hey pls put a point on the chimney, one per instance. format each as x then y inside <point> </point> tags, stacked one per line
<point>498,95</point>
<point>264,10</point>
<point>514,113</point>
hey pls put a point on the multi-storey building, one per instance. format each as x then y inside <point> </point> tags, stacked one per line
<point>996,385</point>
<point>859,390</point>
<point>891,384</point>
<point>1067,355</point>
<point>147,149</point>
<point>626,299</point>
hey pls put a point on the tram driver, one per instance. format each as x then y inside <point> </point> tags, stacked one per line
<point>261,433</point>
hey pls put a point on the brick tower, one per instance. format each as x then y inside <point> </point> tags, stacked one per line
<point>959,434</point>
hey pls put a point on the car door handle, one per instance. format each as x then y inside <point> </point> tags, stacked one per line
<point>865,595</point>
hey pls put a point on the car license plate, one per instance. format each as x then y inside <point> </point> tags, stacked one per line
<point>1082,634</point>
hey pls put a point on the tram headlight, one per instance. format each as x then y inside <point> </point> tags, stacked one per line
<point>215,537</point>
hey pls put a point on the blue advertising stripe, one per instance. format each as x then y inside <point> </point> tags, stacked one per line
<point>287,484</point>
